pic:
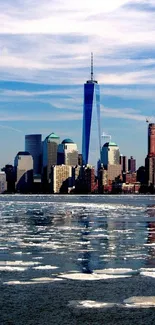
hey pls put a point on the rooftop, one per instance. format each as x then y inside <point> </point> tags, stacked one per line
<point>110,144</point>
<point>67,141</point>
<point>52,136</point>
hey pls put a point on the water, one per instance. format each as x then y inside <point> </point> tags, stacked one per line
<point>84,260</point>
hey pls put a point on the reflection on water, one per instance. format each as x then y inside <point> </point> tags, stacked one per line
<point>82,236</point>
<point>54,244</point>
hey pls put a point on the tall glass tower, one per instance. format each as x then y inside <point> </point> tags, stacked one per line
<point>91,138</point>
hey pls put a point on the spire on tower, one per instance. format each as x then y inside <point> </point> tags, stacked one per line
<point>92,73</point>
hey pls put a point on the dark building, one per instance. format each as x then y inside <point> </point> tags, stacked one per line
<point>150,159</point>
<point>33,145</point>
<point>132,165</point>
<point>10,178</point>
<point>80,162</point>
<point>124,164</point>
<point>141,175</point>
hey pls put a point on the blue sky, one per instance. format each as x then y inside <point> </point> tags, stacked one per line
<point>44,61</point>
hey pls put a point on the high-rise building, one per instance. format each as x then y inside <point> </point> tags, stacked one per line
<point>33,145</point>
<point>124,163</point>
<point>67,153</point>
<point>23,165</point>
<point>132,165</point>
<point>150,159</point>
<point>91,138</point>
<point>151,140</point>
<point>110,154</point>
<point>50,147</point>
<point>61,179</point>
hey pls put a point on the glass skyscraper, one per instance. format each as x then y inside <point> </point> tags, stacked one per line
<point>91,138</point>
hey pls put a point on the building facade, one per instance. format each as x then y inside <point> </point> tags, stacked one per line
<point>61,179</point>
<point>91,137</point>
<point>23,166</point>
<point>132,165</point>
<point>67,153</point>
<point>33,145</point>
<point>124,163</point>
<point>50,148</point>
<point>110,154</point>
<point>3,182</point>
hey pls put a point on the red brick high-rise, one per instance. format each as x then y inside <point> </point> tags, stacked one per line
<point>151,140</point>
<point>150,159</point>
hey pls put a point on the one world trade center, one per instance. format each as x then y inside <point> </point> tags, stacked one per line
<point>91,137</point>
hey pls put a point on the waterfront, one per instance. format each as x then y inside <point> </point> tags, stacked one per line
<point>77,259</point>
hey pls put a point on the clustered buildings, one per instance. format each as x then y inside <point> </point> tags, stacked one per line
<point>55,166</point>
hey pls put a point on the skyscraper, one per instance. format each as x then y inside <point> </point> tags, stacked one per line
<point>23,165</point>
<point>150,159</point>
<point>33,145</point>
<point>67,153</point>
<point>50,146</point>
<point>91,138</point>
<point>132,165</point>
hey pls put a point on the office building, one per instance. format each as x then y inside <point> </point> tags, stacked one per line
<point>150,159</point>
<point>10,178</point>
<point>67,153</point>
<point>132,165</point>
<point>50,147</point>
<point>124,163</point>
<point>23,166</point>
<point>3,182</point>
<point>91,137</point>
<point>61,179</point>
<point>33,145</point>
<point>110,154</point>
<point>151,140</point>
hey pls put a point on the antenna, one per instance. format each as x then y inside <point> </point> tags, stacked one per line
<point>92,73</point>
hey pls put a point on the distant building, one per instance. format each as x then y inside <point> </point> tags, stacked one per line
<point>3,183</point>
<point>110,154</point>
<point>114,172</point>
<point>102,180</point>
<point>50,147</point>
<point>151,140</point>
<point>23,165</point>
<point>85,179</point>
<point>67,153</point>
<point>91,134</point>
<point>124,163</point>
<point>10,178</point>
<point>132,165</point>
<point>141,175</point>
<point>150,159</point>
<point>130,178</point>
<point>80,161</point>
<point>61,179</point>
<point>33,145</point>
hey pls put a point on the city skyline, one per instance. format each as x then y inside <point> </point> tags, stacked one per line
<point>44,62</point>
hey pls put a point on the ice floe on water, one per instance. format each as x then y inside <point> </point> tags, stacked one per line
<point>140,301</point>
<point>90,304</point>
<point>21,263</point>
<point>45,267</point>
<point>12,269</point>
<point>117,271</point>
<point>33,281</point>
<point>91,276</point>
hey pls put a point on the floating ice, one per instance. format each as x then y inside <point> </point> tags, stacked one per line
<point>45,267</point>
<point>82,304</point>
<point>141,301</point>
<point>91,277</point>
